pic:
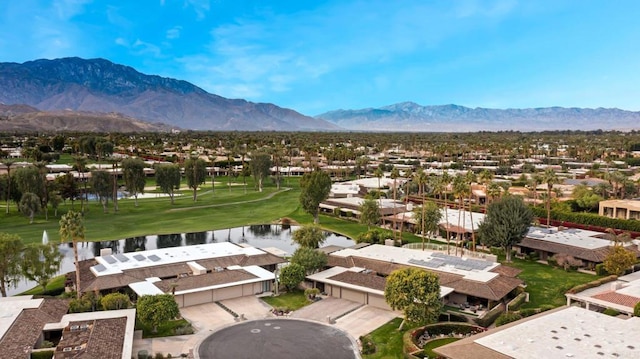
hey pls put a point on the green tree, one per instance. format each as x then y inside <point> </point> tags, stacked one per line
<point>101,185</point>
<point>618,260</point>
<point>10,251</point>
<point>115,301</point>
<point>28,180</point>
<point>41,262</point>
<point>8,163</point>
<point>310,259</point>
<point>260,167</point>
<point>168,179</point>
<point>311,236</point>
<point>314,188</point>
<point>134,177</point>
<point>636,310</point>
<point>505,224</point>
<point>369,213</point>
<point>585,197</point>
<point>155,309</point>
<point>29,205</point>
<point>72,229</point>
<point>195,170</point>
<point>68,187</point>
<point>373,236</point>
<point>428,216</point>
<point>291,276</point>
<point>415,292</point>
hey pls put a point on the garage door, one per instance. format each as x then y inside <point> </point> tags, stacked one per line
<point>227,293</point>
<point>353,295</point>
<point>378,302</point>
<point>197,298</point>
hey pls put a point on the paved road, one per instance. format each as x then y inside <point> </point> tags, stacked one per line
<point>279,339</point>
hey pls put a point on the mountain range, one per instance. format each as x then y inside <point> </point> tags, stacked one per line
<point>99,95</point>
<point>98,85</point>
<point>409,116</point>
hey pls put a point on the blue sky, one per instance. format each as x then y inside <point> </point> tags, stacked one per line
<point>316,56</point>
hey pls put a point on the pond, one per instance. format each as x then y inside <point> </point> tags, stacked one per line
<point>260,236</point>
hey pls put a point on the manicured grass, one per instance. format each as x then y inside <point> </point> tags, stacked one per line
<point>218,209</point>
<point>165,329</point>
<point>388,340</point>
<point>428,348</point>
<point>291,300</point>
<point>54,286</point>
<point>547,284</point>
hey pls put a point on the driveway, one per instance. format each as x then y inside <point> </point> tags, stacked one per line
<point>251,307</point>
<point>327,307</point>
<point>364,320</point>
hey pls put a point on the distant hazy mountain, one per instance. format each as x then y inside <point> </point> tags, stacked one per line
<point>409,116</point>
<point>23,118</point>
<point>98,85</point>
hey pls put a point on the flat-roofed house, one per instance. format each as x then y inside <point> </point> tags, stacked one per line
<point>620,208</point>
<point>359,274</point>
<point>194,274</point>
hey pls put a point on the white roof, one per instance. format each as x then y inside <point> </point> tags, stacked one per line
<point>570,236</point>
<point>451,216</point>
<point>471,269</point>
<point>116,263</point>
<point>145,288</point>
<point>260,274</point>
<point>11,307</point>
<point>569,333</point>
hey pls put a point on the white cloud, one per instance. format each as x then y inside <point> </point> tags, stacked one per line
<point>146,48</point>
<point>201,7</point>
<point>66,9</point>
<point>122,42</point>
<point>174,32</point>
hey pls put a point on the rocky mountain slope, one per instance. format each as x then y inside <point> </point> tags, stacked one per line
<point>409,116</point>
<point>23,118</point>
<point>98,85</point>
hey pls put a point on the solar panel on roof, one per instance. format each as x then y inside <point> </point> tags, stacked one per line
<point>139,257</point>
<point>109,259</point>
<point>99,268</point>
<point>154,258</point>
<point>462,267</point>
<point>121,257</point>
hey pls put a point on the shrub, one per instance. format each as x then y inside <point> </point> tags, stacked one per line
<point>46,344</point>
<point>636,310</point>
<point>529,312</point>
<point>600,269</point>
<point>47,354</point>
<point>159,356</point>
<point>610,311</point>
<point>336,212</point>
<point>517,301</point>
<point>368,347</point>
<point>186,329</point>
<point>311,293</point>
<point>490,316</point>
<point>505,318</point>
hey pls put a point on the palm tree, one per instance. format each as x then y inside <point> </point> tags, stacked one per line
<point>460,189</point>
<point>407,175</point>
<point>8,163</point>
<point>395,173</point>
<point>550,178</point>
<point>81,163</point>
<point>486,177</point>
<point>445,180</point>
<point>534,181</point>
<point>72,228</point>
<point>471,178</point>
<point>378,173</point>
<point>493,190</point>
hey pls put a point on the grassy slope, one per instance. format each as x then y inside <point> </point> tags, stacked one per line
<point>218,210</point>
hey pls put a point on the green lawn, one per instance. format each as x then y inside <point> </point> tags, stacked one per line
<point>218,209</point>
<point>291,300</point>
<point>388,340</point>
<point>547,284</point>
<point>428,348</point>
<point>55,285</point>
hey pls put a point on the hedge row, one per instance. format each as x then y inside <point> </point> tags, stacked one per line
<point>516,302</point>
<point>490,316</point>
<point>589,219</point>
<point>592,284</point>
